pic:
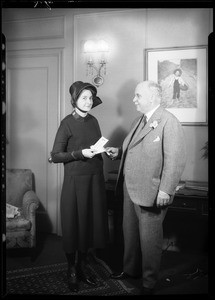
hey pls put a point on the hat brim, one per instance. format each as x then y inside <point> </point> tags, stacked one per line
<point>96,101</point>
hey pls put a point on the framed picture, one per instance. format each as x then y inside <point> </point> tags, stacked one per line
<point>182,74</point>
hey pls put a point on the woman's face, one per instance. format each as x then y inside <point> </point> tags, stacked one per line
<point>85,100</point>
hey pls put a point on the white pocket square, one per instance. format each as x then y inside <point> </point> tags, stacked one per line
<point>157,139</point>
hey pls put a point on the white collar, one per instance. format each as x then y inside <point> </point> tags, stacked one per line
<point>150,113</point>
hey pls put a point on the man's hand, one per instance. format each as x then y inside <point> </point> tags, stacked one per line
<point>112,152</point>
<point>163,199</point>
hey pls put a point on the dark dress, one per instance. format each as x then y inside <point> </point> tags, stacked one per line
<point>84,215</point>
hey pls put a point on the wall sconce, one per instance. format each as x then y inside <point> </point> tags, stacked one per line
<point>96,53</point>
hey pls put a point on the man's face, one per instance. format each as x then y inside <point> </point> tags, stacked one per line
<point>142,98</point>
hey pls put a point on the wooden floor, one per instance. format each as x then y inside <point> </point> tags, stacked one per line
<point>174,264</point>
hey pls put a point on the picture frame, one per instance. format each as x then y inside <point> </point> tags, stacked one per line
<point>182,75</point>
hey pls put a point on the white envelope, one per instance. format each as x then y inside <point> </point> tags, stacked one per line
<point>157,139</point>
<point>98,147</point>
<point>99,150</point>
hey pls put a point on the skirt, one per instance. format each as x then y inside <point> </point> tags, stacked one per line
<point>84,215</point>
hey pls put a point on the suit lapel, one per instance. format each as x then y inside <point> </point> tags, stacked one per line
<point>126,142</point>
<point>130,135</point>
<point>155,117</point>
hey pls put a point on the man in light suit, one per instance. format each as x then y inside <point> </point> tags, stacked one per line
<point>153,157</point>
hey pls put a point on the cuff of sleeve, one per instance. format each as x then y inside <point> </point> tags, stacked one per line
<point>77,154</point>
<point>119,152</point>
<point>163,193</point>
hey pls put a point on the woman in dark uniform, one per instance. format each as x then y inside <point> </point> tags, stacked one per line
<point>83,200</point>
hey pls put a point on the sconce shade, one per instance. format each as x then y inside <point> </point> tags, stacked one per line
<point>102,46</point>
<point>89,46</point>
<point>77,87</point>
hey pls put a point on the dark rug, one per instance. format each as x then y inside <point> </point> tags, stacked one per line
<point>51,280</point>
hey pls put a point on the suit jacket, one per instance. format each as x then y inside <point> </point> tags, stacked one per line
<point>155,159</point>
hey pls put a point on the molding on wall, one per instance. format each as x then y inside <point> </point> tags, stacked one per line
<point>24,30</point>
<point>121,11</point>
<point>127,10</point>
<point>51,212</point>
<point>34,53</point>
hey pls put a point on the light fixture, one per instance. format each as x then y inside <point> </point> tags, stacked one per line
<point>96,59</point>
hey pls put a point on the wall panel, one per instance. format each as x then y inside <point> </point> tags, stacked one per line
<point>32,121</point>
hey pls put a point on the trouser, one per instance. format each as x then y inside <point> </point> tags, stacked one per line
<point>143,239</point>
<point>176,90</point>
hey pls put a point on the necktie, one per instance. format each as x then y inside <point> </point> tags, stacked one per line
<point>144,120</point>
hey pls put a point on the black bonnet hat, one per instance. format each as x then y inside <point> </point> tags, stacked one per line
<point>77,87</point>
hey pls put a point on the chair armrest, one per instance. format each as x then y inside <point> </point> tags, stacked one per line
<point>30,204</point>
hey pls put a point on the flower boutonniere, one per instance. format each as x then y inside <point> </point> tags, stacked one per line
<point>154,124</point>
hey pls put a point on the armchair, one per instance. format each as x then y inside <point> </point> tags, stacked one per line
<point>21,230</point>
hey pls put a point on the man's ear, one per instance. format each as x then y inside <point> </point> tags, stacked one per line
<point>152,98</point>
